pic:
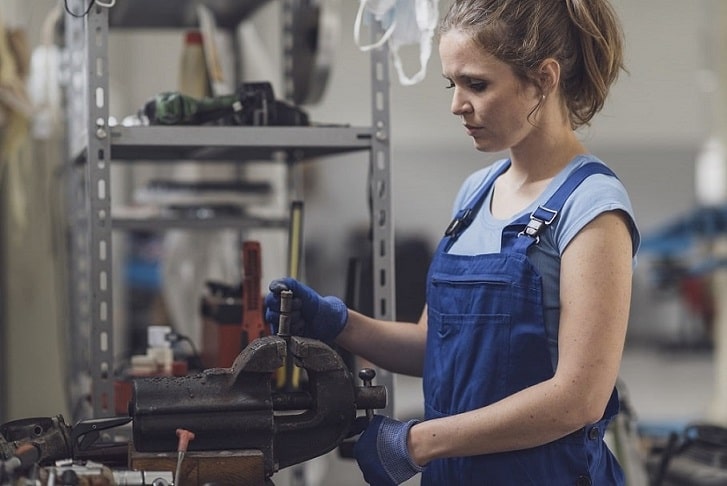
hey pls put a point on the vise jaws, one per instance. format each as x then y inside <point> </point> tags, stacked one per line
<point>239,408</point>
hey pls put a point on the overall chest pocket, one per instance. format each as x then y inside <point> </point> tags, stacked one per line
<point>483,293</point>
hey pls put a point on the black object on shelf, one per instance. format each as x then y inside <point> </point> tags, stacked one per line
<point>253,104</point>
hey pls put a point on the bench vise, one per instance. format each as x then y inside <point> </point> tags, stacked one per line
<point>240,408</point>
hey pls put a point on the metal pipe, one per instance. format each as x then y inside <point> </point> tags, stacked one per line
<point>286,299</point>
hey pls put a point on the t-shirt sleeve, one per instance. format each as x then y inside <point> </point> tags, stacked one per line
<point>596,195</point>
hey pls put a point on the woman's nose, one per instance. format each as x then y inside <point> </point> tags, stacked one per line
<point>460,105</point>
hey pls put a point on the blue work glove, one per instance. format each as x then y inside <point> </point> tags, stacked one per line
<point>312,316</point>
<point>382,453</point>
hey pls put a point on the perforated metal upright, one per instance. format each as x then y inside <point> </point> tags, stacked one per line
<point>384,278</point>
<point>89,163</point>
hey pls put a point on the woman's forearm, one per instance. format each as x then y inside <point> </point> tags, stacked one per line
<point>395,346</point>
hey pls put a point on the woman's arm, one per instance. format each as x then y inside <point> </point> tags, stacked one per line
<point>395,346</point>
<point>595,282</point>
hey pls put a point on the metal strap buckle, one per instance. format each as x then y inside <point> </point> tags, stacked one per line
<point>464,217</point>
<point>535,225</point>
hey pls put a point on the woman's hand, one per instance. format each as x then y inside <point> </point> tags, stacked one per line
<point>311,315</point>
<point>382,452</point>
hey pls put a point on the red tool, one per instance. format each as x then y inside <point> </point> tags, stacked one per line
<point>184,437</point>
<point>253,323</point>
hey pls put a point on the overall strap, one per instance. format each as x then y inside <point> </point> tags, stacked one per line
<point>466,215</point>
<point>546,214</point>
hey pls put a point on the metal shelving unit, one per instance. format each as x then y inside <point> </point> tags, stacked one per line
<point>92,146</point>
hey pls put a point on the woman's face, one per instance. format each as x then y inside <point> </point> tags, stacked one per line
<point>491,101</point>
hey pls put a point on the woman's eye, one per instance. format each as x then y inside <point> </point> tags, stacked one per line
<point>472,85</point>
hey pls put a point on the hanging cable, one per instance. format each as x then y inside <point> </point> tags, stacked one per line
<point>106,4</point>
<point>78,16</point>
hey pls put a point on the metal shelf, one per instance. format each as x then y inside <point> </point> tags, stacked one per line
<point>177,14</point>
<point>174,143</point>
<point>174,220</point>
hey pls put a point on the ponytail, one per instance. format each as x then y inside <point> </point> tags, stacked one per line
<point>600,39</point>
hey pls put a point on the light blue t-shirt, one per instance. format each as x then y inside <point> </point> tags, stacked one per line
<point>595,195</point>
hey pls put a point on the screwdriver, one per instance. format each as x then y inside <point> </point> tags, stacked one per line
<point>184,437</point>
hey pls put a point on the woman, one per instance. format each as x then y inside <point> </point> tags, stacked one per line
<point>528,294</point>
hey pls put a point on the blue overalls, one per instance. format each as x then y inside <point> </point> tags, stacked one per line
<point>486,340</point>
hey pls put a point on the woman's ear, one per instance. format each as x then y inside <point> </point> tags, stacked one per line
<point>549,74</point>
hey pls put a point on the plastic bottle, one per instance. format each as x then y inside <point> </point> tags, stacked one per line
<point>193,79</point>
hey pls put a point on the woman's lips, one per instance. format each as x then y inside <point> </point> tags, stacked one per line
<point>471,129</point>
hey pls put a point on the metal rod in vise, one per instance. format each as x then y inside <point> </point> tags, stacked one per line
<point>286,303</point>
